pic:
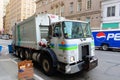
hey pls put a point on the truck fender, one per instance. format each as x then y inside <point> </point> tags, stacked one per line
<point>51,54</point>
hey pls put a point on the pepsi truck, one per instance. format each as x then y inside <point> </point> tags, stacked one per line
<point>107,39</point>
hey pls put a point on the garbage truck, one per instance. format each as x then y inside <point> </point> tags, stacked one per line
<point>55,43</point>
<point>107,39</point>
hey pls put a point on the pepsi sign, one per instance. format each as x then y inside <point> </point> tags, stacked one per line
<point>101,36</point>
<point>115,36</point>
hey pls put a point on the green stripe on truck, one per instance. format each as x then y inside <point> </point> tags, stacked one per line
<point>19,39</point>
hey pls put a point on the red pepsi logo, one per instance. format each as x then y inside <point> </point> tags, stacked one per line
<point>101,36</point>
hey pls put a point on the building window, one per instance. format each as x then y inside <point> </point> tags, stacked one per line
<point>46,2</point>
<point>56,10</point>
<point>88,19</point>
<point>111,11</point>
<point>62,9</point>
<point>88,4</point>
<point>71,7</point>
<point>79,5</point>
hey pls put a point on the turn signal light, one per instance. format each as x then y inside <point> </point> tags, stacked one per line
<point>62,42</point>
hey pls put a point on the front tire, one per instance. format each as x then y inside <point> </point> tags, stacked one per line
<point>47,65</point>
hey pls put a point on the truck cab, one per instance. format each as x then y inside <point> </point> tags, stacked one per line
<point>72,42</point>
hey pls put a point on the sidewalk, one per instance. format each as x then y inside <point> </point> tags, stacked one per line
<point>8,69</point>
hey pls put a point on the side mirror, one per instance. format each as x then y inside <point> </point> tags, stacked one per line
<point>66,35</point>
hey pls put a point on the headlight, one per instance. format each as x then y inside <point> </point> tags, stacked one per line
<point>72,58</point>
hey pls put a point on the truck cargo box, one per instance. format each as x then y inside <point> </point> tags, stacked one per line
<point>32,30</point>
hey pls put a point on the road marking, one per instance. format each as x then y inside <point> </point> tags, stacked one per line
<point>35,75</point>
<point>13,61</point>
<point>5,59</point>
<point>38,77</point>
<point>9,59</point>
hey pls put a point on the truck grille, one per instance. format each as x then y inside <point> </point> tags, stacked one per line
<point>83,51</point>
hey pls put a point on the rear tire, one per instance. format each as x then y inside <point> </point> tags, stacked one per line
<point>27,54</point>
<point>105,47</point>
<point>22,56</point>
<point>17,52</point>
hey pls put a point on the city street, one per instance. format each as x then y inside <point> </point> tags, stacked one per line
<point>108,67</point>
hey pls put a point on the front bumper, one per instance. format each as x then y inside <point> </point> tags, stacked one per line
<point>90,64</point>
<point>70,69</point>
<point>76,67</point>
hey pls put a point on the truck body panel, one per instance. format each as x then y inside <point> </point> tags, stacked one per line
<point>25,29</point>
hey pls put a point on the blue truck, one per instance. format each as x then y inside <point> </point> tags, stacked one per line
<point>106,39</point>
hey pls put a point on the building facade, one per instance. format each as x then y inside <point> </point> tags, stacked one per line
<point>17,11</point>
<point>110,14</point>
<point>3,4</point>
<point>1,16</point>
<point>87,10</point>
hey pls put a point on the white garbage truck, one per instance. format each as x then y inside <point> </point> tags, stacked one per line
<point>55,43</point>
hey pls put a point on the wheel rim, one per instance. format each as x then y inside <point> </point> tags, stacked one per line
<point>16,53</point>
<point>105,47</point>
<point>46,65</point>
<point>26,54</point>
<point>21,55</point>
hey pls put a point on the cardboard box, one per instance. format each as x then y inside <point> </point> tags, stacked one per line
<point>25,70</point>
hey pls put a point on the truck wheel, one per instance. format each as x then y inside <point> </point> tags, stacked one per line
<point>104,47</point>
<point>26,54</point>
<point>47,65</point>
<point>21,54</point>
<point>17,52</point>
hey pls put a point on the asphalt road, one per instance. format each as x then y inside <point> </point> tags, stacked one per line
<point>108,67</point>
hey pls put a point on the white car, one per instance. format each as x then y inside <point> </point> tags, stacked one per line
<point>4,36</point>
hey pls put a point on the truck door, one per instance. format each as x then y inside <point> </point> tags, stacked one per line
<point>56,38</point>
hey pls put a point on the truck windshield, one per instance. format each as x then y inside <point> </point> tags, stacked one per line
<point>74,30</point>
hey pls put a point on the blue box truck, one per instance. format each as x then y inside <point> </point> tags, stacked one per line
<point>106,39</point>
